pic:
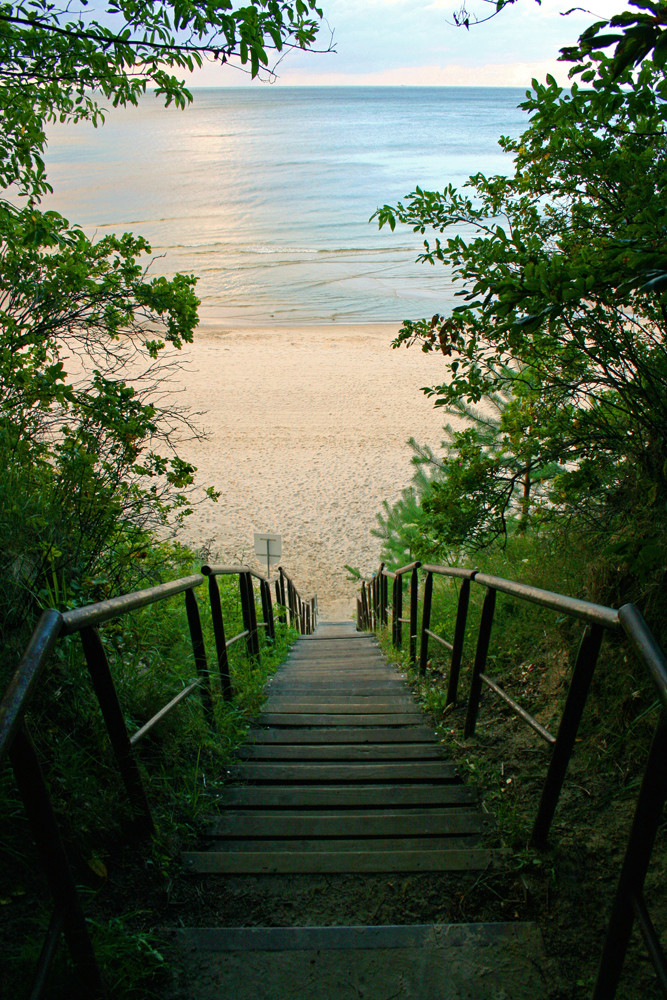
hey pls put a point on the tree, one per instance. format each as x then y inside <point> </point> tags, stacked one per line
<point>87,338</point>
<point>56,64</point>
<point>564,289</point>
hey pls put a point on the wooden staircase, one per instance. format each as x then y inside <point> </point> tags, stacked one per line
<point>342,775</point>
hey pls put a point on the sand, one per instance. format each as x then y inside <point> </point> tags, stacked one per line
<point>307,432</point>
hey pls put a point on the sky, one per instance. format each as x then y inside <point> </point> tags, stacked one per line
<point>415,43</point>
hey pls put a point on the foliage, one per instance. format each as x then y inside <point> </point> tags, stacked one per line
<point>88,438</point>
<point>80,427</point>
<point>57,63</point>
<point>183,763</point>
<point>487,481</point>
<point>564,302</point>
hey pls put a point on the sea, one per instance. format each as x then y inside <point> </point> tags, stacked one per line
<point>266,192</point>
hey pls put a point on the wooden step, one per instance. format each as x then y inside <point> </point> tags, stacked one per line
<point>347,772</point>
<point>317,706</point>
<point>420,962</point>
<point>343,735</point>
<point>358,751</point>
<point>443,821</point>
<point>355,796</point>
<point>331,861</point>
<point>340,719</point>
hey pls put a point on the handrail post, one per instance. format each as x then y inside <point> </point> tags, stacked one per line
<point>647,818</point>
<point>360,627</point>
<point>414,610</point>
<point>398,611</point>
<point>280,596</point>
<point>252,611</point>
<point>383,596</point>
<point>459,638</point>
<point>44,826</point>
<point>290,602</point>
<point>483,639</point>
<point>199,651</point>
<point>104,688</point>
<point>582,675</point>
<point>220,643</point>
<point>376,602</point>
<point>426,623</point>
<point>246,598</point>
<point>267,610</point>
<point>364,607</point>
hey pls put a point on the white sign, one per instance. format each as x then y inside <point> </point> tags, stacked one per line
<point>268,546</point>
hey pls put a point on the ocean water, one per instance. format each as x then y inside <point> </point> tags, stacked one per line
<point>266,192</point>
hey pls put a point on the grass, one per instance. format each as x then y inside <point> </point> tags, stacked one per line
<point>569,888</point>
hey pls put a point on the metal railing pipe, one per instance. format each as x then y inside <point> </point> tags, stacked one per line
<point>104,611</point>
<point>593,614</point>
<point>26,676</point>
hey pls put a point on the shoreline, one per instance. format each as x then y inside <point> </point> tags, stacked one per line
<point>307,430</point>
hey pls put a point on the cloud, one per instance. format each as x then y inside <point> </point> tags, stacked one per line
<point>414,42</point>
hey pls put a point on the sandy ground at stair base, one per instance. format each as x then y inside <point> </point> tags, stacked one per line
<point>307,432</point>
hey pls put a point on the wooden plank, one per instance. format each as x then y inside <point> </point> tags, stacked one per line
<point>355,796</point>
<point>344,845</point>
<point>314,706</point>
<point>357,751</point>
<point>351,689</point>
<point>348,771</point>
<point>343,735</point>
<point>311,674</point>
<point>320,862</point>
<point>438,821</point>
<point>340,719</point>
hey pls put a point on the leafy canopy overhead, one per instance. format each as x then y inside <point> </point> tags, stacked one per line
<point>89,434</point>
<point>56,62</point>
<point>562,271</point>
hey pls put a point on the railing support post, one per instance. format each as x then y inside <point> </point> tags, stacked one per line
<point>44,826</point>
<point>483,640</point>
<point>398,611</point>
<point>582,676</point>
<point>199,652</point>
<point>426,623</point>
<point>267,610</point>
<point>647,818</point>
<point>280,596</point>
<point>104,688</point>
<point>383,596</point>
<point>365,623</point>
<point>414,609</point>
<point>459,638</point>
<point>246,600</point>
<point>220,643</point>
<point>252,616</point>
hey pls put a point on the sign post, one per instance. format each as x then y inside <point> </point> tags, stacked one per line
<point>268,546</point>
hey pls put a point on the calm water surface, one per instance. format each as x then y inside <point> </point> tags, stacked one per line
<point>266,192</point>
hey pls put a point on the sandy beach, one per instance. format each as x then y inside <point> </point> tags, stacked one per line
<point>307,432</point>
